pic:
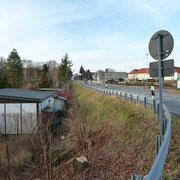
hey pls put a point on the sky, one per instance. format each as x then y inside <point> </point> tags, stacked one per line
<point>96,34</point>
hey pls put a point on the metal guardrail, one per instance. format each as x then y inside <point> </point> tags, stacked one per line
<point>162,145</point>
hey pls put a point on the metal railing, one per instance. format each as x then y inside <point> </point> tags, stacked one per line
<point>162,144</point>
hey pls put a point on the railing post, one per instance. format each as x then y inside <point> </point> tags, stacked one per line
<point>120,94</point>
<point>163,128</point>
<point>158,112</point>
<point>136,177</point>
<point>131,97</point>
<point>125,96</point>
<point>137,99</point>
<point>165,124</point>
<point>154,106</point>
<point>144,101</point>
<point>158,144</point>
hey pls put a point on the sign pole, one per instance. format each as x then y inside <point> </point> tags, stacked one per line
<point>159,46</point>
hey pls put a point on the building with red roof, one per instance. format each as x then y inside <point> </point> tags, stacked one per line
<point>139,74</point>
<point>144,74</point>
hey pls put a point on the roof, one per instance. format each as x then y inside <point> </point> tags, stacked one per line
<point>138,71</point>
<point>143,70</point>
<point>134,71</point>
<point>177,69</point>
<point>26,95</point>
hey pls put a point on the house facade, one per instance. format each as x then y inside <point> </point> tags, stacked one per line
<point>133,74</point>
<point>111,76</point>
<point>100,75</point>
<point>144,74</point>
<point>116,76</point>
<point>139,74</point>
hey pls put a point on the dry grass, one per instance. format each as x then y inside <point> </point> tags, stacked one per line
<point>116,136</point>
<point>124,135</point>
<point>177,91</point>
<point>172,165</point>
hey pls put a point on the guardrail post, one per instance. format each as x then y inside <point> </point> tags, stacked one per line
<point>158,143</point>
<point>158,112</point>
<point>165,124</point>
<point>120,94</point>
<point>136,177</point>
<point>137,99</point>
<point>163,121</point>
<point>144,101</point>
<point>131,97</point>
<point>154,106</point>
<point>125,96</point>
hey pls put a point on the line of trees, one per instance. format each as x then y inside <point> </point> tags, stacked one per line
<point>14,72</point>
<point>85,75</point>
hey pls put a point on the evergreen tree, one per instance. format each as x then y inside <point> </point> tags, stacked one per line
<point>64,70</point>
<point>88,74</point>
<point>44,82</point>
<point>3,77</point>
<point>14,69</point>
<point>82,72</point>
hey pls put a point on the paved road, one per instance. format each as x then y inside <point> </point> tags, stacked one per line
<point>172,101</point>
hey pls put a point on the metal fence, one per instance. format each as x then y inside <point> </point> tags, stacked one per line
<point>162,144</point>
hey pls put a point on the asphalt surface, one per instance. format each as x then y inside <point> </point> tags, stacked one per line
<point>172,101</point>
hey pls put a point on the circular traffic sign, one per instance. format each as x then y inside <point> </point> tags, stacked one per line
<point>167,44</point>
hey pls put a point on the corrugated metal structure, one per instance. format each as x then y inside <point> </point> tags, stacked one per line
<point>19,109</point>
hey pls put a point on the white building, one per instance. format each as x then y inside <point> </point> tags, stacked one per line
<point>139,74</point>
<point>144,74</point>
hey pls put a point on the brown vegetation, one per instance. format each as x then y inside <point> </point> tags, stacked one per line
<point>117,137</point>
